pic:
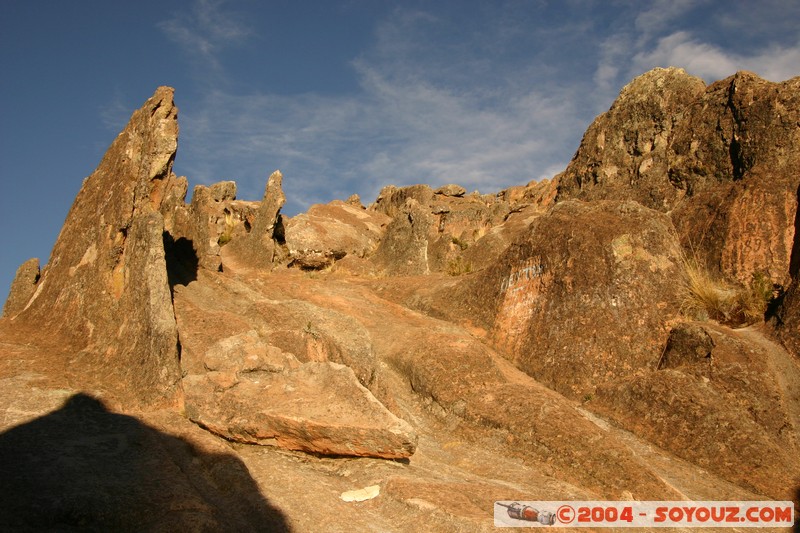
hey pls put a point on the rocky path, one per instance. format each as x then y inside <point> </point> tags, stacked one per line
<point>786,370</point>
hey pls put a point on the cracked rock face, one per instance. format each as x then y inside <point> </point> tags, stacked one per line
<point>314,407</point>
<point>722,160</point>
<point>106,282</point>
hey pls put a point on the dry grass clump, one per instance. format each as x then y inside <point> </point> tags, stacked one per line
<point>227,234</point>
<point>706,296</point>
<point>459,267</point>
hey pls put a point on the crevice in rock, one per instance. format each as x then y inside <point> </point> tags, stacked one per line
<point>279,231</point>
<point>794,258</point>
<point>182,260</point>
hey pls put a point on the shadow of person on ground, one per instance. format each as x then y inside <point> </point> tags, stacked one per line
<point>85,468</point>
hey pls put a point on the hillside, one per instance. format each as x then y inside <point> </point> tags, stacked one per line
<point>627,330</point>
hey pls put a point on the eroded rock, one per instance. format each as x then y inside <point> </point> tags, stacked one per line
<point>262,245</point>
<point>722,159</point>
<point>602,275</point>
<point>327,233</point>
<point>22,288</point>
<point>106,283</point>
<point>317,407</point>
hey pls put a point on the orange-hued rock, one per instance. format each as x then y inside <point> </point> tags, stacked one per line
<point>722,160</point>
<point>22,288</point>
<point>316,407</point>
<point>584,294</point>
<point>218,366</point>
<point>106,282</point>
<point>327,233</point>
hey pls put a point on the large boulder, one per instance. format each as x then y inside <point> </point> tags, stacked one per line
<point>106,282</point>
<point>327,233</point>
<point>584,294</point>
<point>315,407</point>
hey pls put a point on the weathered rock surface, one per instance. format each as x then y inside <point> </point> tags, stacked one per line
<point>106,282</point>
<point>327,233</point>
<point>269,372</point>
<point>263,243</point>
<point>451,190</point>
<point>624,154</point>
<point>22,288</point>
<point>433,231</point>
<point>722,159</point>
<point>725,409</point>
<point>316,407</point>
<point>525,344</point>
<point>687,344</point>
<point>404,249</point>
<point>584,295</point>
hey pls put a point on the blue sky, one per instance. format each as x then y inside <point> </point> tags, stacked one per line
<point>344,97</point>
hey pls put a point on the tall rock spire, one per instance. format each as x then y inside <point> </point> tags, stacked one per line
<point>106,282</point>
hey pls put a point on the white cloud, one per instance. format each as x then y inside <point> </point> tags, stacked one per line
<point>487,106</point>
<point>205,30</point>
<point>414,120</point>
<point>394,132</point>
<point>711,63</point>
<point>662,13</point>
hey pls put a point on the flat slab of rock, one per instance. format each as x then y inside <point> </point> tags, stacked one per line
<point>317,407</point>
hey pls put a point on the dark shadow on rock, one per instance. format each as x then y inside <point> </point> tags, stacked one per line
<point>796,526</point>
<point>182,260</point>
<point>83,468</point>
<point>794,258</point>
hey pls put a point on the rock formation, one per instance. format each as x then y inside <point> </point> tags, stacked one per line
<point>261,246</point>
<point>327,233</point>
<point>722,160</point>
<point>601,275</point>
<point>204,365</point>
<point>106,281</point>
<point>22,288</point>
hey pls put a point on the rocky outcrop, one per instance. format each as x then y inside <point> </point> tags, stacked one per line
<point>106,282</point>
<point>434,231</point>
<point>283,372</point>
<point>716,402</point>
<point>327,233</point>
<point>554,360</point>
<point>315,407</point>
<point>721,159</point>
<point>262,244</point>
<point>22,288</point>
<point>625,152</point>
<point>600,274</point>
<point>404,249</point>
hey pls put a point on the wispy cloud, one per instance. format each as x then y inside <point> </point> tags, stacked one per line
<point>488,101</point>
<point>775,63</point>
<point>420,116</point>
<point>205,30</point>
<point>392,132</point>
<point>114,113</point>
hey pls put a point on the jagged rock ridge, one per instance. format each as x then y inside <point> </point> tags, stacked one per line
<point>529,344</point>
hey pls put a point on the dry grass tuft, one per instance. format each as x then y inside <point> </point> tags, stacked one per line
<point>459,267</point>
<point>706,296</point>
